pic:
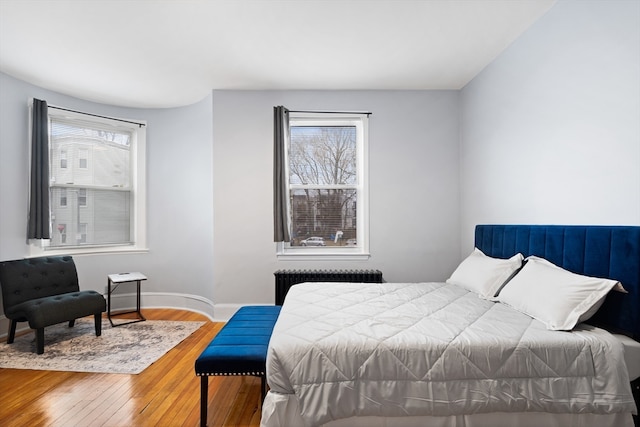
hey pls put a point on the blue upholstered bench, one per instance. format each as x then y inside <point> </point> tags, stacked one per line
<point>240,348</point>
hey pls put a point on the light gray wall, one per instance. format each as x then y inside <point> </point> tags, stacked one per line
<point>179,195</point>
<point>209,175</point>
<point>551,129</point>
<point>414,213</point>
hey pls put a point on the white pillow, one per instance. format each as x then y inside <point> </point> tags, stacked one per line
<point>484,275</point>
<point>558,298</point>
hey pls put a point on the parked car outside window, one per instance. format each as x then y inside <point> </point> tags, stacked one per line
<point>313,241</point>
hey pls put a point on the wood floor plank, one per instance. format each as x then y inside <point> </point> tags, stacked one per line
<point>165,394</point>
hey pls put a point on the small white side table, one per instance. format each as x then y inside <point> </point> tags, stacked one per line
<point>114,280</point>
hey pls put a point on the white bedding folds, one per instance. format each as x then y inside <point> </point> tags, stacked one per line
<point>431,349</point>
<point>631,355</point>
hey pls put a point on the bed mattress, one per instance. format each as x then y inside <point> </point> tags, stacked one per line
<point>432,349</point>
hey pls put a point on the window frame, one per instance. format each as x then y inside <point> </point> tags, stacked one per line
<point>138,227</point>
<point>361,251</point>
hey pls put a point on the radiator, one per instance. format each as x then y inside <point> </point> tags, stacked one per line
<point>287,278</point>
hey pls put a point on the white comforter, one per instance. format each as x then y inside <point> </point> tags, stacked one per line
<point>394,349</point>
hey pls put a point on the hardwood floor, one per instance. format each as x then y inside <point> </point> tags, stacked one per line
<point>166,394</point>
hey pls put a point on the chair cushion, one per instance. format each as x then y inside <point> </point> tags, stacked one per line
<point>41,312</point>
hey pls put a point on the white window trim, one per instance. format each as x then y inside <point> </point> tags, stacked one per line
<point>139,191</point>
<point>361,252</point>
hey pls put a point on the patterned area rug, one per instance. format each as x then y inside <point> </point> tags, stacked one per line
<point>127,349</point>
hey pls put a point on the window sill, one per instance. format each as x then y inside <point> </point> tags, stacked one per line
<point>324,257</point>
<point>36,251</point>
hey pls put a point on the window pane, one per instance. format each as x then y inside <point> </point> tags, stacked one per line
<point>323,155</point>
<point>91,217</point>
<point>82,197</point>
<point>83,153</point>
<point>329,214</point>
<point>102,157</point>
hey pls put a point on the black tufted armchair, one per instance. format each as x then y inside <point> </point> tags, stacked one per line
<point>44,291</point>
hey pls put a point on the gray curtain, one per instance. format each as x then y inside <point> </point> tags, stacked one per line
<point>38,227</point>
<point>280,143</point>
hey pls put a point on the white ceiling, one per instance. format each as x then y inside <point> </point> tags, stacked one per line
<point>166,53</point>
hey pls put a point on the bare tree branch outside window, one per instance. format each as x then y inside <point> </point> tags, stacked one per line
<point>323,176</point>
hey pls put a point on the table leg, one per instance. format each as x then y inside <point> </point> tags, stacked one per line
<point>138,302</point>
<point>109,301</point>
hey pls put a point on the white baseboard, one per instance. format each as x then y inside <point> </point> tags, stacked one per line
<point>215,312</point>
<point>195,303</point>
<point>188,302</point>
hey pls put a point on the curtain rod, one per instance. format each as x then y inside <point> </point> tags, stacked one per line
<point>368,113</point>
<point>96,115</point>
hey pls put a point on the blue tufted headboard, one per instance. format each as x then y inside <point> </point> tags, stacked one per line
<point>601,251</point>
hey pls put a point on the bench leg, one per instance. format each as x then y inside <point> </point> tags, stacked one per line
<point>72,322</point>
<point>97,320</point>
<point>204,399</point>
<point>12,331</point>
<point>40,340</point>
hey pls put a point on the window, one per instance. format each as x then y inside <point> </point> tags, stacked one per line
<point>97,171</point>
<point>83,155</point>
<point>63,159</point>
<point>327,184</point>
<point>82,197</point>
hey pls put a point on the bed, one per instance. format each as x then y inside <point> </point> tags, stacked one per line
<point>470,352</point>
